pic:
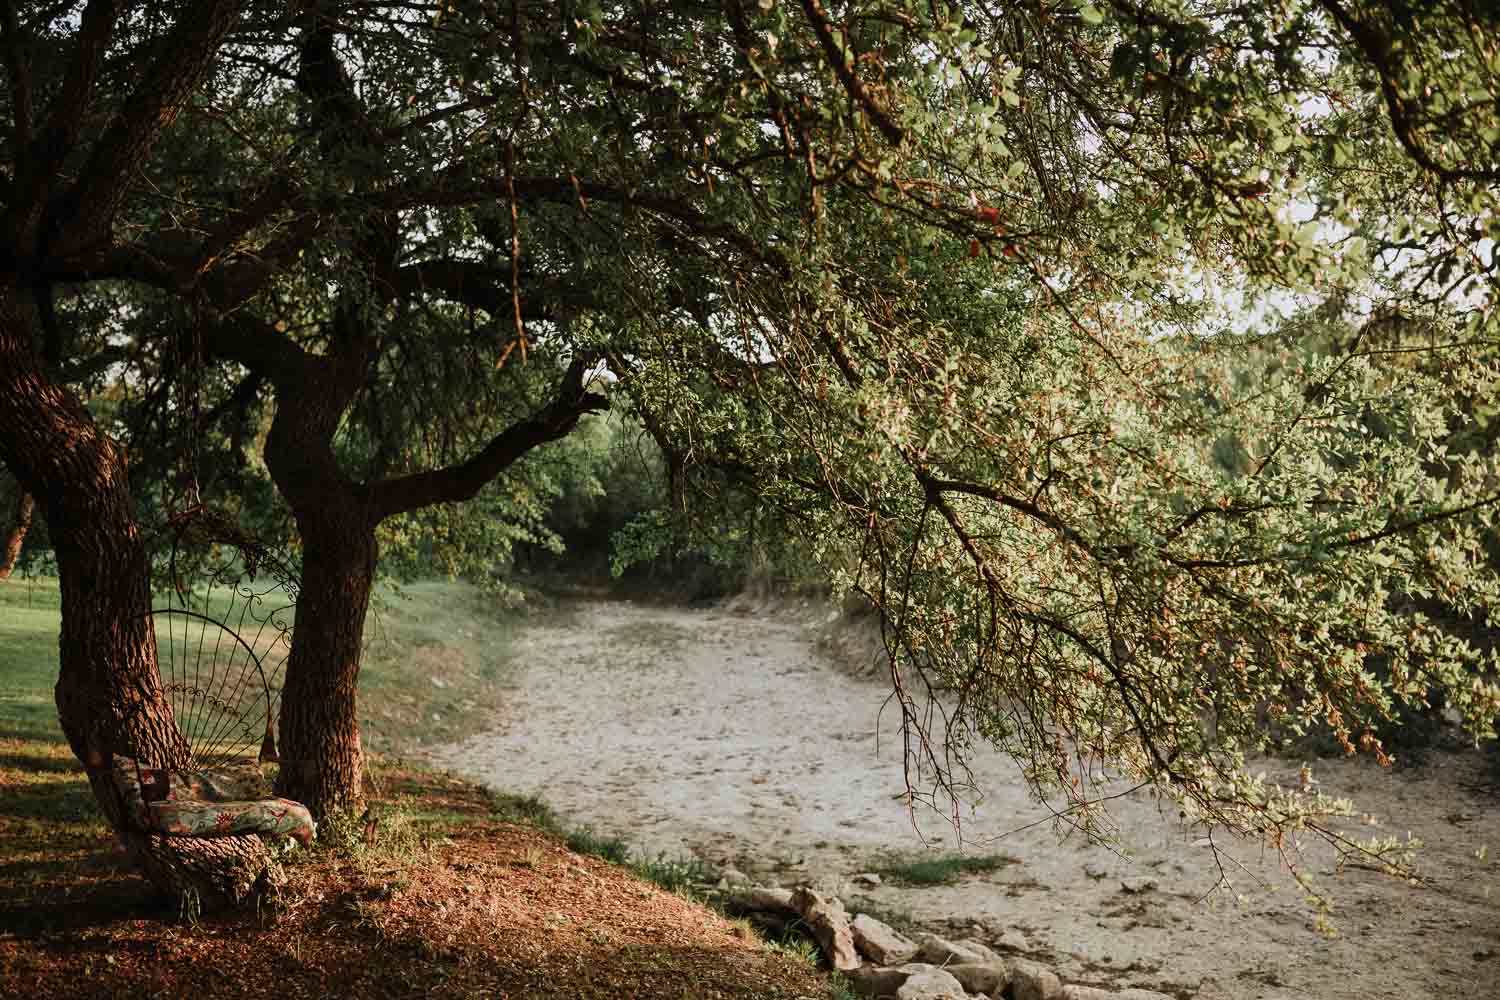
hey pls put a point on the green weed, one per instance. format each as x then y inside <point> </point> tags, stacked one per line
<point>611,849</point>
<point>943,870</point>
<point>511,808</point>
<point>678,875</point>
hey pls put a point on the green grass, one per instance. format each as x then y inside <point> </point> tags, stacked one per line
<point>29,617</point>
<point>941,870</point>
<point>436,659</point>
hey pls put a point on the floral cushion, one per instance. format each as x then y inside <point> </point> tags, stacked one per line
<point>218,802</point>
<point>267,817</point>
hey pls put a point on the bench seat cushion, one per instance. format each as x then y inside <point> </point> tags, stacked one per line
<point>267,817</point>
<point>218,802</point>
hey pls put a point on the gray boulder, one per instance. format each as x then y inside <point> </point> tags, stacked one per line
<point>880,943</point>
<point>876,982</point>
<point>931,984</point>
<point>941,951</point>
<point>759,899</point>
<point>981,977</point>
<point>1031,981</point>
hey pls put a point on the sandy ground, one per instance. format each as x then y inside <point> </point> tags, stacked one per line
<point>730,737</point>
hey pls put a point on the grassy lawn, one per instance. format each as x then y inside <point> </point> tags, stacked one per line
<point>453,892</point>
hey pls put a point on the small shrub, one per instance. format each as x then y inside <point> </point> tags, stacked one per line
<point>672,875</point>
<point>528,809</point>
<point>798,948</point>
<point>611,849</point>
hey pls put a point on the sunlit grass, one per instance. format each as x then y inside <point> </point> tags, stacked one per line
<point>436,657</point>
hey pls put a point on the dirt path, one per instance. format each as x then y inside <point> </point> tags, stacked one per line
<point>729,737</point>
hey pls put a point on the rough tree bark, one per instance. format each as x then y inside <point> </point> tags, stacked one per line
<point>110,700</point>
<point>10,552</point>
<point>109,696</point>
<point>322,762</point>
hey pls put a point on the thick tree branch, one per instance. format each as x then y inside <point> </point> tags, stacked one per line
<point>259,348</point>
<point>182,58</point>
<point>65,118</point>
<point>18,73</point>
<point>461,482</point>
<point>471,283</point>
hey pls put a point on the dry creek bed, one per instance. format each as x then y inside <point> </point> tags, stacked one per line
<point>728,736</point>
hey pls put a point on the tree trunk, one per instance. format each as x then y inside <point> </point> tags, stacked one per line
<point>11,551</point>
<point>110,700</point>
<point>322,763</point>
<point>109,697</point>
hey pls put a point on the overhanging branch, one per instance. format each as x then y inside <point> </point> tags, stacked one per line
<point>460,482</point>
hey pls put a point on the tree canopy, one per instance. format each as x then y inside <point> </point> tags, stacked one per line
<point>1006,308</point>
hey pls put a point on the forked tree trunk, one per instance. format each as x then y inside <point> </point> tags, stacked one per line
<point>110,700</point>
<point>11,551</point>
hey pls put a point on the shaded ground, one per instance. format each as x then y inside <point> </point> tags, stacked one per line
<point>451,901</point>
<point>453,892</point>
<point>729,737</point>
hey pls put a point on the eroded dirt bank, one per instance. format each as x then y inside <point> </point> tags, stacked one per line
<point>729,737</point>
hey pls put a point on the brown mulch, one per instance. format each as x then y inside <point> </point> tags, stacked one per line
<point>469,907</point>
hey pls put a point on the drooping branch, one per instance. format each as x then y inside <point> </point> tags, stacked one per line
<point>1382,55</point>
<point>466,190</point>
<point>843,66</point>
<point>462,481</point>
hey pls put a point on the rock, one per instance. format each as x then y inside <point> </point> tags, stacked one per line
<point>873,981</point>
<point>879,943</point>
<point>829,924</point>
<point>760,899</point>
<point>981,977</point>
<point>1014,940</point>
<point>884,983</point>
<point>941,951</point>
<point>1138,884</point>
<point>1095,871</point>
<point>866,878</point>
<point>979,947</point>
<point>932,984</point>
<point>733,876</point>
<point>1030,981</point>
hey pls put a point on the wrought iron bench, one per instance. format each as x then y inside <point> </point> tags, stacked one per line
<point>223,634</point>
